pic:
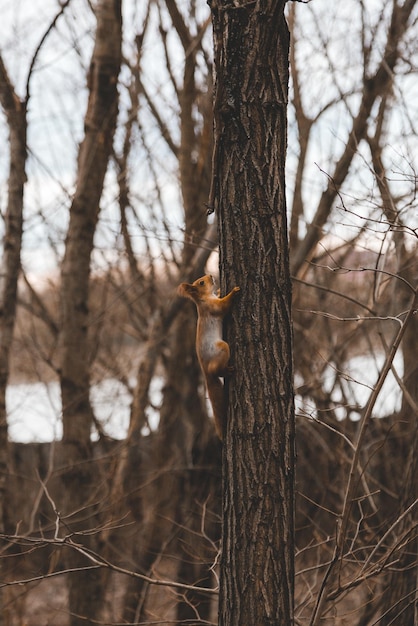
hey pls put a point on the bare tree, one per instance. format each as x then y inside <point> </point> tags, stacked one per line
<point>80,475</point>
<point>15,110</point>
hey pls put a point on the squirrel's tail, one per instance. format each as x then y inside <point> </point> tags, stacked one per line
<point>217,399</point>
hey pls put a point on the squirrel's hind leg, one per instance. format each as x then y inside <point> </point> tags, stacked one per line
<point>219,364</point>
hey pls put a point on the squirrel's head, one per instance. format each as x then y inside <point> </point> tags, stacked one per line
<point>201,287</point>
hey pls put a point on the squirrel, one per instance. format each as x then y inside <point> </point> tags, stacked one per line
<point>213,353</point>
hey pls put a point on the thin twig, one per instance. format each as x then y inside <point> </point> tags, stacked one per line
<point>97,562</point>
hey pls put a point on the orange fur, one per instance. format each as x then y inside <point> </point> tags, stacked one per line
<point>212,351</point>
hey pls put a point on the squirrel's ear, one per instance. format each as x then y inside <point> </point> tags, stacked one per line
<point>185,290</point>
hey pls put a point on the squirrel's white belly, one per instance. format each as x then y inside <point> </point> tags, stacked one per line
<point>210,332</point>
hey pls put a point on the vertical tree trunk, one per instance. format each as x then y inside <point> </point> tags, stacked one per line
<point>251,61</point>
<point>15,111</point>
<point>100,122</point>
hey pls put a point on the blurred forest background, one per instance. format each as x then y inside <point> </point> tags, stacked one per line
<point>105,170</point>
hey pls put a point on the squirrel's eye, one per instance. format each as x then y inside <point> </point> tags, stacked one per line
<point>202,282</point>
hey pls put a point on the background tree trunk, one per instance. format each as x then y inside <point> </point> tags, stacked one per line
<point>251,61</point>
<point>100,122</point>
<point>15,111</point>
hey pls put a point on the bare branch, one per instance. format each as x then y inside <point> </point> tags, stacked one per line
<point>97,561</point>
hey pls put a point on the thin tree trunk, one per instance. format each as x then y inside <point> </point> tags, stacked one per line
<point>100,122</point>
<point>251,62</point>
<point>15,111</point>
<point>10,260</point>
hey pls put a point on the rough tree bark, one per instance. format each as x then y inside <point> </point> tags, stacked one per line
<point>251,60</point>
<point>100,122</point>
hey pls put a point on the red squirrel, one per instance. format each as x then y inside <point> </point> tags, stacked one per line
<point>212,351</point>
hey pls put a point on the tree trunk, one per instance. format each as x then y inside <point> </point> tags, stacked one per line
<point>100,121</point>
<point>251,61</point>
<point>15,111</point>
